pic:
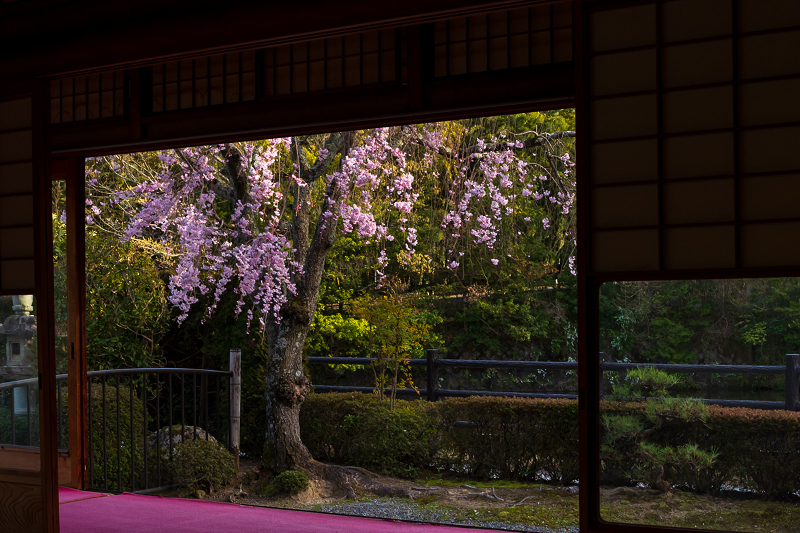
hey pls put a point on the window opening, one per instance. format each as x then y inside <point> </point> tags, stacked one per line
<point>699,416</point>
<point>453,249</point>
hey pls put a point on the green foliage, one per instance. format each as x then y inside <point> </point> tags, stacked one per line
<point>690,446</point>
<point>628,458</point>
<point>750,321</point>
<point>202,463</point>
<point>651,382</point>
<point>337,335</point>
<point>510,438</point>
<point>361,430</point>
<point>515,318</point>
<point>126,306</point>
<point>395,332</point>
<point>288,482</point>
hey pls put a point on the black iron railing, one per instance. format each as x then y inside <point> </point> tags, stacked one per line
<point>136,418</point>
<point>791,371</point>
<point>18,402</point>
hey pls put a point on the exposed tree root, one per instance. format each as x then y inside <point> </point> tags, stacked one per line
<point>351,482</point>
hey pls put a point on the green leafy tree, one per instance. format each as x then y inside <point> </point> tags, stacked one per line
<point>395,335</point>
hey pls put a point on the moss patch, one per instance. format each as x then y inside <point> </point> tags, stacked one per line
<point>684,509</point>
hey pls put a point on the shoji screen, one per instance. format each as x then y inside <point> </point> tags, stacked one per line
<point>693,108</point>
<point>16,196</point>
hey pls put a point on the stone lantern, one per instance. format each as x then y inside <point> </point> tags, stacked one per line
<point>19,331</point>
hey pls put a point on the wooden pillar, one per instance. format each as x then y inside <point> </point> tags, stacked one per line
<point>71,171</point>
<point>792,386</point>
<point>433,375</point>
<point>236,398</point>
<point>43,270</point>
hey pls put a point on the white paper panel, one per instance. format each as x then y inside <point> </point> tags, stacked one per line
<point>624,72</point>
<point>769,197</point>
<point>17,275</point>
<point>626,161</point>
<point>626,206</point>
<point>755,15</point>
<point>16,243</point>
<point>697,109</point>
<point>630,116</point>
<point>695,19</point>
<point>15,114</point>
<point>695,156</point>
<point>16,178</point>
<point>15,146</point>
<point>770,245</point>
<point>698,63</point>
<point>16,211</point>
<point>696,202</point>
<point>770,149</point>
<point>773,54</point>
<point>622,28</point>
<point>769,102</point>
<point>704,247</point>
<point>633,250</point>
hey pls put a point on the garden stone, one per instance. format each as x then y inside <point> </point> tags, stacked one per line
<point>178,436</point>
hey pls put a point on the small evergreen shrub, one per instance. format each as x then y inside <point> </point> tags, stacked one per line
<point>202,464</point>
<point>289,482</point>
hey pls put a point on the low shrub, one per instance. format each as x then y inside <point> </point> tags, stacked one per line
<point>510,438</point>
<point>202,464</point>
<point>757,450</point>
<point>361,430</point>
<point>289,482</point>
<point>701,449</point>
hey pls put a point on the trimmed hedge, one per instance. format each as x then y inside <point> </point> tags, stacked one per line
<point>758,450</point>
<point>537,440</point>
<point>510,438</point>
<point>360,430</point>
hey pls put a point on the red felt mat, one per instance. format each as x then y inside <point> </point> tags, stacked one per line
<point>66,495</point>
<point>133,513</point>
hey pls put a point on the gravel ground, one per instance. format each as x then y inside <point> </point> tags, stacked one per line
<point>402,510</point>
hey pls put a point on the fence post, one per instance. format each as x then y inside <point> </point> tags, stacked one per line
<point>236,398</point>
<point>792,387</point>
<point>433,375</point>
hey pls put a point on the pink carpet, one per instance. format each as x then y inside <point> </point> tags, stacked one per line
<point>133,513</point>
<point>66,495</point>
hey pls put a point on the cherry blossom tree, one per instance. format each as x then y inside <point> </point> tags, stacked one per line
<point>258,219</point>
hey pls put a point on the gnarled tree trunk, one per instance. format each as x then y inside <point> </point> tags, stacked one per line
<point>286,385</point>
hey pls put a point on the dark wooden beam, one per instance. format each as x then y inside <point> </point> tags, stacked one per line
<point>492,93</point>
<point>57,37</point>
<point>45,321</point>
